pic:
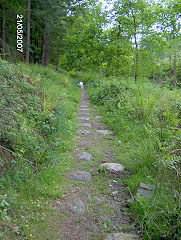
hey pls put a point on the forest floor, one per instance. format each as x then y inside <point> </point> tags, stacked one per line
<point>95,204</point>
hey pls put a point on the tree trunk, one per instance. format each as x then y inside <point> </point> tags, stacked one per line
<point>45,49</point>
<point>175,70</point>
<point>136,52</point>
<point>175,60</point>
<point>3,34</point>
<point>58,55</point>
<point>170,70</point>
<point>153,79</point>
<point>28,32</point>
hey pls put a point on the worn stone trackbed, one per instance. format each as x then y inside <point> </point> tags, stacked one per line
<point>96,204</point>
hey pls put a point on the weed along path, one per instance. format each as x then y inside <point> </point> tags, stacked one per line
<point>95,205</point>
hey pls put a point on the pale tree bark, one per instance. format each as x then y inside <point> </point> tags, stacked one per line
<point>175,70</point>
<point>170,70</point>
<point>28,32</point>
<point>136,50</point>
<point>175,61</point>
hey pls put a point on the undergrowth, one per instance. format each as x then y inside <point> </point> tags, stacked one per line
<point>37,124</point>
<point>146,120</point>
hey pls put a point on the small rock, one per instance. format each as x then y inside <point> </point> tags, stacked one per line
<point>84,156</point>
<point>91,227</point>
<point>83,105</point>
<point>113,167</point>
<point>115,192</point>
<point>105,132</point>
<point>83,219</point>
<point>98,116</point>
<point>117,196</point>
<point>85,124</point>
<point>145,193</point>
<point>131,200</point>
<point>146,186</point>
<point>84,143</point>
<point>83,118</point>
<point>104,161</point>
<point>80,176</point>
<point>126,227</point>
<point>83,132</point>
<point>78,207</point>
<point>145,190</point>
<point>83,113</point>
<point>83,109</point>
<point>107,219</point>
<point>121,236</point>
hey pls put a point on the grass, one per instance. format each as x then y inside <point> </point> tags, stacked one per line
<point>145,120</point>
<point>43,134</point>
<point>38,125</point>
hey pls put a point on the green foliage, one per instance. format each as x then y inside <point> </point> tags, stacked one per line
<point>4,205</point>
<point>37,124</point>
<point>27,120</point>
<point>145,119</point>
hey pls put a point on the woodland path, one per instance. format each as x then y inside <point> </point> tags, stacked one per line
<point>95,206</point>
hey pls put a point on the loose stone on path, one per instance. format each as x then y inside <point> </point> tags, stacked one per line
<point>83,132</point>
<point>121,236</point>
<point>91,227</point>
<point>78,207</point>
<point>105,132</point>
<point>83,109</point>
<point>83,113</point>
<point>84,106</point>
<point>80,176</point>
<point>82,118</point>
<point>84,143</point>
<point>113,167</point>
<point>85,124</point>
<point>84,156</point>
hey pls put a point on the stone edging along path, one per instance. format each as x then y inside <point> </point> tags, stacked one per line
<point>95,207</point>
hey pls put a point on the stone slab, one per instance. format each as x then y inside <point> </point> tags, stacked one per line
<point>84,124</point>
<point>146,186</point>
<point>80,176</point>
<point>83,132</point>
<point>83,118</point>
<point>105,132</point>
<point>83,109</point>
<point>145,193</point>
<point>85,156</point>
<point>113,167</point>
<point>83,106</point>
<point>145,190</point>
<point>84,143</point>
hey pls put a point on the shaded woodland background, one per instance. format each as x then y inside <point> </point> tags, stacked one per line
<point>136,38</point>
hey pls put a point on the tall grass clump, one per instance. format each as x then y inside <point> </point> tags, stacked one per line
<point>146,120</point>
